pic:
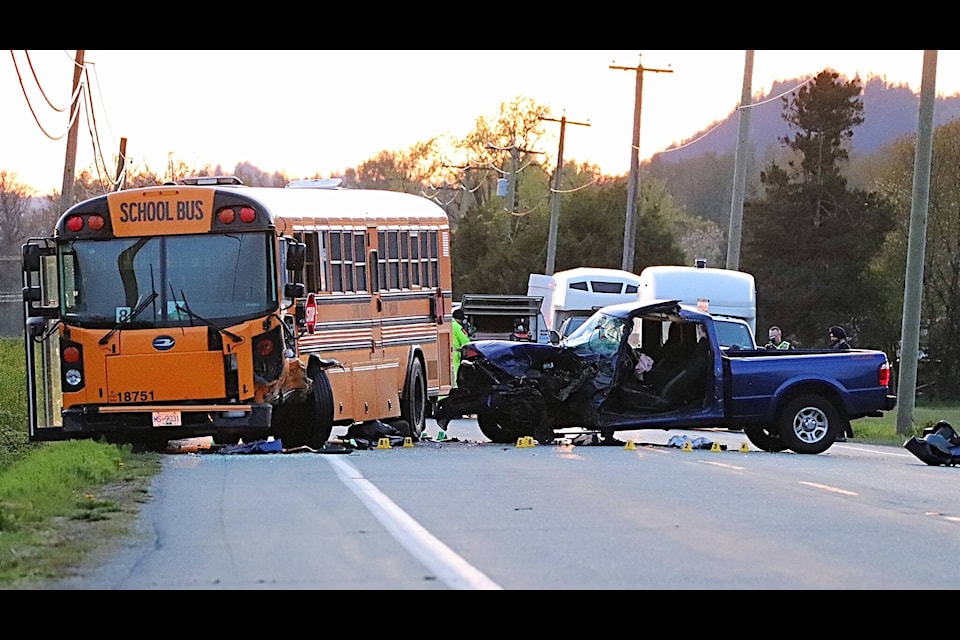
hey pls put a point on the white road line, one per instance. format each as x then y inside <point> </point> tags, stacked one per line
<point>827,487</point>
<point>453,570</point>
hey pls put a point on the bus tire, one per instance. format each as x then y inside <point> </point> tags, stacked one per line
<point>413,402</point>
<point>310,423</point>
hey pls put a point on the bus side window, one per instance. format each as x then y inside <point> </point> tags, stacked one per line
<point>360,249</point>
<point>313,274</point>
<point>336,260</point>
<point>404,259</point>
<point>374,271</point>
<point>415,258</point>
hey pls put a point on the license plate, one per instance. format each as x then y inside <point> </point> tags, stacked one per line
<point>166,418</point>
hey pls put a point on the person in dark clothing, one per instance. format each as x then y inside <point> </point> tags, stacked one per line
<point>838,342</point>
<point>838,339</point>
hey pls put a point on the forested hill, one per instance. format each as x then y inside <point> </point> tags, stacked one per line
<point>890,112</point>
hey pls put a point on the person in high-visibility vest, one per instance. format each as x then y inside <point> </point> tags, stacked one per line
<point>460,338</point>
<point>776,341</point>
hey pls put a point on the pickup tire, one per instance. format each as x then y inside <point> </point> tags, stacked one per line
<point>492,427</point>
<point>809,423</point>
<point>763,438</point>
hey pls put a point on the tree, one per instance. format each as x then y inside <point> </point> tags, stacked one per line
<point>940,305</point>
<point>15,199</point>
<point>823,115</point>
<point>504,146</point>
<point>809,241</point>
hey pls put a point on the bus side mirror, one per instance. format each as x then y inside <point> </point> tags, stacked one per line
<point>36,326</point>
<point>296,255</point>
<point>40,289</point>
<point>31,257</point>
<point>294,290</point>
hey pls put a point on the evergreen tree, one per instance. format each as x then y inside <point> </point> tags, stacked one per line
<point>809,241</point>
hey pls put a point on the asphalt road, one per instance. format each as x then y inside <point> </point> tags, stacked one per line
<point>464,513</point>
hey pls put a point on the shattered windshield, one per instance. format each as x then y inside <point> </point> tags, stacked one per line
<point>224,278</point>
<point>600,335</point>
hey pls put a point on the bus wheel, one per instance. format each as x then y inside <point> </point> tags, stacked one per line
<point>308,424</point>
<point>413,403</point>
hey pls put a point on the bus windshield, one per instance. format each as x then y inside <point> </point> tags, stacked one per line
<point>222,278</point>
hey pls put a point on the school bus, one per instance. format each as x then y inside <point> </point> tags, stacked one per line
<point>209,308</point>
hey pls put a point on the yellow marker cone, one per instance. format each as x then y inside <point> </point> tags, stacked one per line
<point>383,443</point>
<point>407,442</point>
<point>744,447</point>
<point>525,442</point>
<point>630,446</point>
<point>687,446</point>
<point>715,447</point>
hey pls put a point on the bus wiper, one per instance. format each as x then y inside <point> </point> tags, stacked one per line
<point>133,314</point>
<point>183,306</point>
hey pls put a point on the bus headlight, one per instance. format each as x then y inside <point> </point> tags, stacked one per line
<point>73,377</point>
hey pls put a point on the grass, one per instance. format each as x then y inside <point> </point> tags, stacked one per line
<point>59,501</point>
<point>884,430</point>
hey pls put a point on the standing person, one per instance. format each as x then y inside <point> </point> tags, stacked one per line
<point>460,338</point>
<point>838,339</point>
<point>776,341</point>
<point>838,342</point>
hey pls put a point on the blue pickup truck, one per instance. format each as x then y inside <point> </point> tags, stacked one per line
<point>658,364</point>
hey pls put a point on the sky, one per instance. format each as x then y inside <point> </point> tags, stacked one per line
<point>319,112</point>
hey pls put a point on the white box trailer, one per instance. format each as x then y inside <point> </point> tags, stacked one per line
<point>724,293</point>
<point>576,293</point>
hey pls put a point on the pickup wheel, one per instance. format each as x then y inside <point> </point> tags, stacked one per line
<point>761,437</point>
<point>809,424</point>
<point>491,426</point>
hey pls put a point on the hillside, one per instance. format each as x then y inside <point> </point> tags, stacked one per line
<point>699,171</point>
<point>890,112</point>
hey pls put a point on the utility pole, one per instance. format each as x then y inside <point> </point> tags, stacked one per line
<point>633,186</point>
<point>916,248</point>
<point>121,163</point>
<point>48,355</point>
<point>740,166</point>
<point>70,163</point>
<point>555,194</point>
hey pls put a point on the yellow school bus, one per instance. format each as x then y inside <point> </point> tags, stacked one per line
<point>206,307</point>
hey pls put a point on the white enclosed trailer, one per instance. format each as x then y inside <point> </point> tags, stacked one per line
<point>576,293</point>
<point>724,293</point>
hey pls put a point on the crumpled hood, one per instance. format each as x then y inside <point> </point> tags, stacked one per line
<point>517,358</point>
